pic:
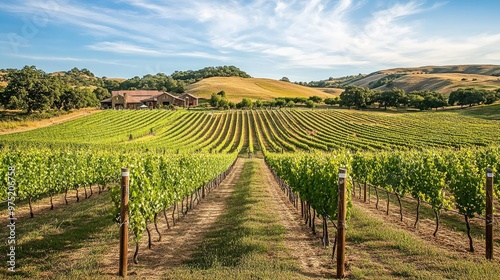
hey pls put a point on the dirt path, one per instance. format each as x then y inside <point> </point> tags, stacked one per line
<point>179,242</point>
<point>304,247</point>
<point>30,125</point>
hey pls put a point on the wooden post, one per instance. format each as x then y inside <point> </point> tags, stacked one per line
<point>342,203</point>
<point>489,213</point>
<point>364,192</point>
<point>124,224</point>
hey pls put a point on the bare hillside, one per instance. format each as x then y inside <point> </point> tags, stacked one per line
<point>237,88</point>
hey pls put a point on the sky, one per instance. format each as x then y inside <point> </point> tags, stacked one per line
<point>301,40</point>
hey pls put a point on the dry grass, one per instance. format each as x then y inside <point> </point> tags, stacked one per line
<point>446,82</point>
<point>443,79</point>
<point>254,88</point>
<point>7,127</point>
<point>467,69</point>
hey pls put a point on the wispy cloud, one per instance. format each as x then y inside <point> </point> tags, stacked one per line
<point>314,34</point>
<point>122,47</point>
<point>76,59</point>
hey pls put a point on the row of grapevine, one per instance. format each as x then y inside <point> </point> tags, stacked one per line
<point>444,179</point>
<point>158,182</point>
<point>313,179</point>
<point>279,130</point>
<point>441,178</point>
<point>43,172</point>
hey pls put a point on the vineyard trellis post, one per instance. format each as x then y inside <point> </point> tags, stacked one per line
<point>124,223</point>
<point>364,192</point>
<point>489,213</point>
<point>342,205</point>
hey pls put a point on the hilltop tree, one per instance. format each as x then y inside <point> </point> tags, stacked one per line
<point>30,89</point>
<point>285,79</point>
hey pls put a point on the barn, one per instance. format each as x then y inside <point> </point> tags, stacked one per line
<point>134,99</point>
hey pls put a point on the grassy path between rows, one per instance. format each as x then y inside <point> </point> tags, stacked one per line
<point>246,242</point>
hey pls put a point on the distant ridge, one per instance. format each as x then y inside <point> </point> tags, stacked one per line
<point>442,79</point>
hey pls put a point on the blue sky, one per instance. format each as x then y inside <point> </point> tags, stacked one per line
<point>302,40</point>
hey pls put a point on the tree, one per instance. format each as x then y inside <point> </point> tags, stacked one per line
<point>30,89</point>
<point>221,93</point>
<point>258,103</point>
<point>354,96</point>
<point>310,104</point>
<point>290,104</point>
<point>223,103</point>
<point>416,101</point>
<point>332,101</point>
<point>246,103</point>
<point>285,79</point>
<point>215,100</point>
<point>300,100</point>
<point>77,98</point>
<point>390,98</point>
<point>426,99</point>
<point>101,93</point>
<point>315,99</point>
<point>468,96</point>
<point>280,102</point>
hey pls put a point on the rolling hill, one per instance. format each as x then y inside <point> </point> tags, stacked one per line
<point>237,88</point>
<point>442,79</point>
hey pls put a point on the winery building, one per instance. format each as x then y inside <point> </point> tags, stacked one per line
<point>136,99</point>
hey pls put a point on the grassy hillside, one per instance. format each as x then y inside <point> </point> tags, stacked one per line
<point>490,70</point>
<point>444,83</point>
<point>265,89</point>
<point>443,79</point>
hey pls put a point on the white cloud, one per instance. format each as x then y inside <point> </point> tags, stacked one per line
<point>314,34</point>
<point>66,58</point>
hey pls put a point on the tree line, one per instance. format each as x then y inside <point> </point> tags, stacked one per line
<point>360,97</point>
<point>219,100</point>
<point>32,89</point>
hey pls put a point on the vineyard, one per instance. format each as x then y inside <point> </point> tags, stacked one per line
<point>264,130</point>
<point>177,158</point>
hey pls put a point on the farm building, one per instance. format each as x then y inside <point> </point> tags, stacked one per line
<point>134,99</point>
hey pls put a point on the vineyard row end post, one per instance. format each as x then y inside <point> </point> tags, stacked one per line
<point>124,218</point>
<point>342,205</point>
<point>489,213</point>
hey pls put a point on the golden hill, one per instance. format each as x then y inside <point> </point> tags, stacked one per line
<point>442,79</point>
<point>237,88</point>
